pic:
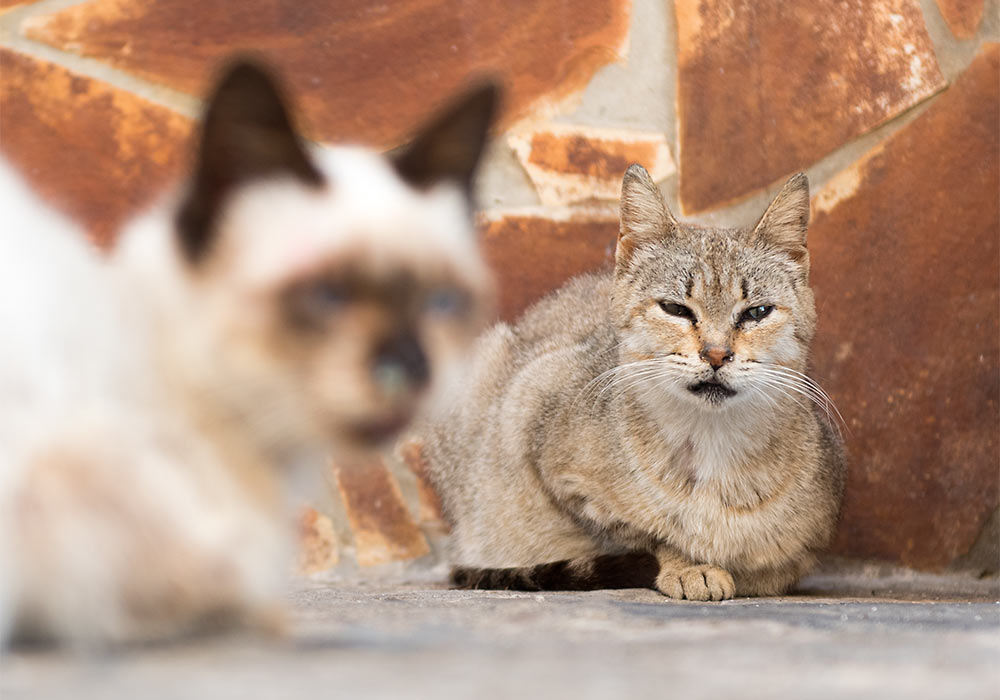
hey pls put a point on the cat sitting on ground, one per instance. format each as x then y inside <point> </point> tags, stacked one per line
<point>653,426</point>
<point>155,407</point>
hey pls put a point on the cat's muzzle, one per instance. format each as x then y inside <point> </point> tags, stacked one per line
<point>712,390</point>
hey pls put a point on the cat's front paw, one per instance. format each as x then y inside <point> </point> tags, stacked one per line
<point>699,582</point>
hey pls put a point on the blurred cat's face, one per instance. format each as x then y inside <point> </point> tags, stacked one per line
<point>716,317</point>
<point>332,288</point>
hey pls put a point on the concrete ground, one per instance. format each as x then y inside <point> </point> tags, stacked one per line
<point>911,637</point>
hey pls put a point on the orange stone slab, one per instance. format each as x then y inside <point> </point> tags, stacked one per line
<point>905,265</point>
<point>318,549</point>
<point>963,16</point>
<point>364,71</point>
<point>570,163</point>
<point>97,153</point>
<point>532,255</point>
<point>411,453</point>
<point>767,87</point>
<point>383,529</point>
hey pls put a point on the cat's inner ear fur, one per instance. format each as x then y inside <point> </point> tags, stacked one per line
<point>645,217</point>
<point>784,223</point>
<point>449,146</point>
<point>246,134</point>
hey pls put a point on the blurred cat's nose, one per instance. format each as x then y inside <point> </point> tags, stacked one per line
<point>400,364</point>
<point>716,355</point>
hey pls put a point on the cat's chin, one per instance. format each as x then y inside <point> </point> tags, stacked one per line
<point>713,392</point>
<point>373,432</point>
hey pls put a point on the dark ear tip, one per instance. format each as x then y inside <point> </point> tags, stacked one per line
<point>636,174</point>
<point>484,94</point>
<point>242,71</point>
<point>798,181</point>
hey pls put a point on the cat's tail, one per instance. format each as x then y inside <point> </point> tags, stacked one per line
<point>629,570</point>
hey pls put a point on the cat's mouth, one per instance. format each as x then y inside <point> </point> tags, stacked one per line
<point>712,390</point>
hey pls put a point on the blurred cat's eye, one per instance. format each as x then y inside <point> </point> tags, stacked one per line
<point>756,313</point>
<point>676,310</point>
<point>446,301</point>
<point>314,301</point>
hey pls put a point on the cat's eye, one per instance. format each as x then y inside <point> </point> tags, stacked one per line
<point>756,313</point>
<point>314,301</point>
<point>676,310</point>
<point>446,301</point>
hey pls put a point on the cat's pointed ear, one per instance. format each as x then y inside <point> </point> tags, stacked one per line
<point>645,217</point>
<point>448,148</point>
<point>783,225</point>
<point>246,134</point>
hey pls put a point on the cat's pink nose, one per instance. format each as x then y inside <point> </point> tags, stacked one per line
<point>716,355</point>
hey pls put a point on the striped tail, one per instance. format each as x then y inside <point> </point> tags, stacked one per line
<point>630,570</point>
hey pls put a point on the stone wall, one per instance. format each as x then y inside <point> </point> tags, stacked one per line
<point>890,106</point>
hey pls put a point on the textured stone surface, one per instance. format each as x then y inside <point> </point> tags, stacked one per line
<point>905,265</point>
<point>95,152</point>
<point>532,255</point>
<point>767,87</point>
<point>412,454</point>
<point>386,643</point>
<point>963,16</point>
<point>364,71</point>
<point>575,163</point>
<point>318,550</point>
<point>383,529</point>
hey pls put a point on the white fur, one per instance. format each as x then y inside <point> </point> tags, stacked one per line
<point>75,369</point>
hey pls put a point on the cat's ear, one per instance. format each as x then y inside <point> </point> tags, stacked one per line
<point>448,148</point>
<point>246,134</point>
<point>645,217</point>
<point>783,225</point>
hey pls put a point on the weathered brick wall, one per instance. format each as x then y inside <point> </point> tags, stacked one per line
<point>891,106</point>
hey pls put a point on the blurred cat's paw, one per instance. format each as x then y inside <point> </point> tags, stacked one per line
<point>699,582</point>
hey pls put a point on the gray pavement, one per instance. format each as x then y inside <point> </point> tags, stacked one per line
<point>381,641</point>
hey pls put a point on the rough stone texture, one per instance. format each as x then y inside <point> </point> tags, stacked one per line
<point>374,643</point>
<point>96,152</point>
<point>963,16</point>
<point>383,528</point>
<point>361,69</point>
<point>411,452</point>
<point>905,262</point>
<point>576,163</point>
<point>767,87</point>
<point>318,550</point>
<point>532,255</point>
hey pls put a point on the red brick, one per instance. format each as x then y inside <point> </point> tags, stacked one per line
<point>318,549</point>
<point>364,71</point>
<point>383,529</point>
<point>905,264</point>
<point>96,152</point>
<point>767,87</point>
<point>577,163</point>
<point>963,16</point>
<point>532,255</point>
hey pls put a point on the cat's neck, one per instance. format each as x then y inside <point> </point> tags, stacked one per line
<point>714,442</point>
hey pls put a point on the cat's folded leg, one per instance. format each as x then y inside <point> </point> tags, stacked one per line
<point>773,580</point>
<point>683,579</point>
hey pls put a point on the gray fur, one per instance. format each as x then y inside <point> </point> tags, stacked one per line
<point>559,449</point>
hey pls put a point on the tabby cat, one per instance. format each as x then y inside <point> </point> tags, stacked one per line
<point>653,426</point>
